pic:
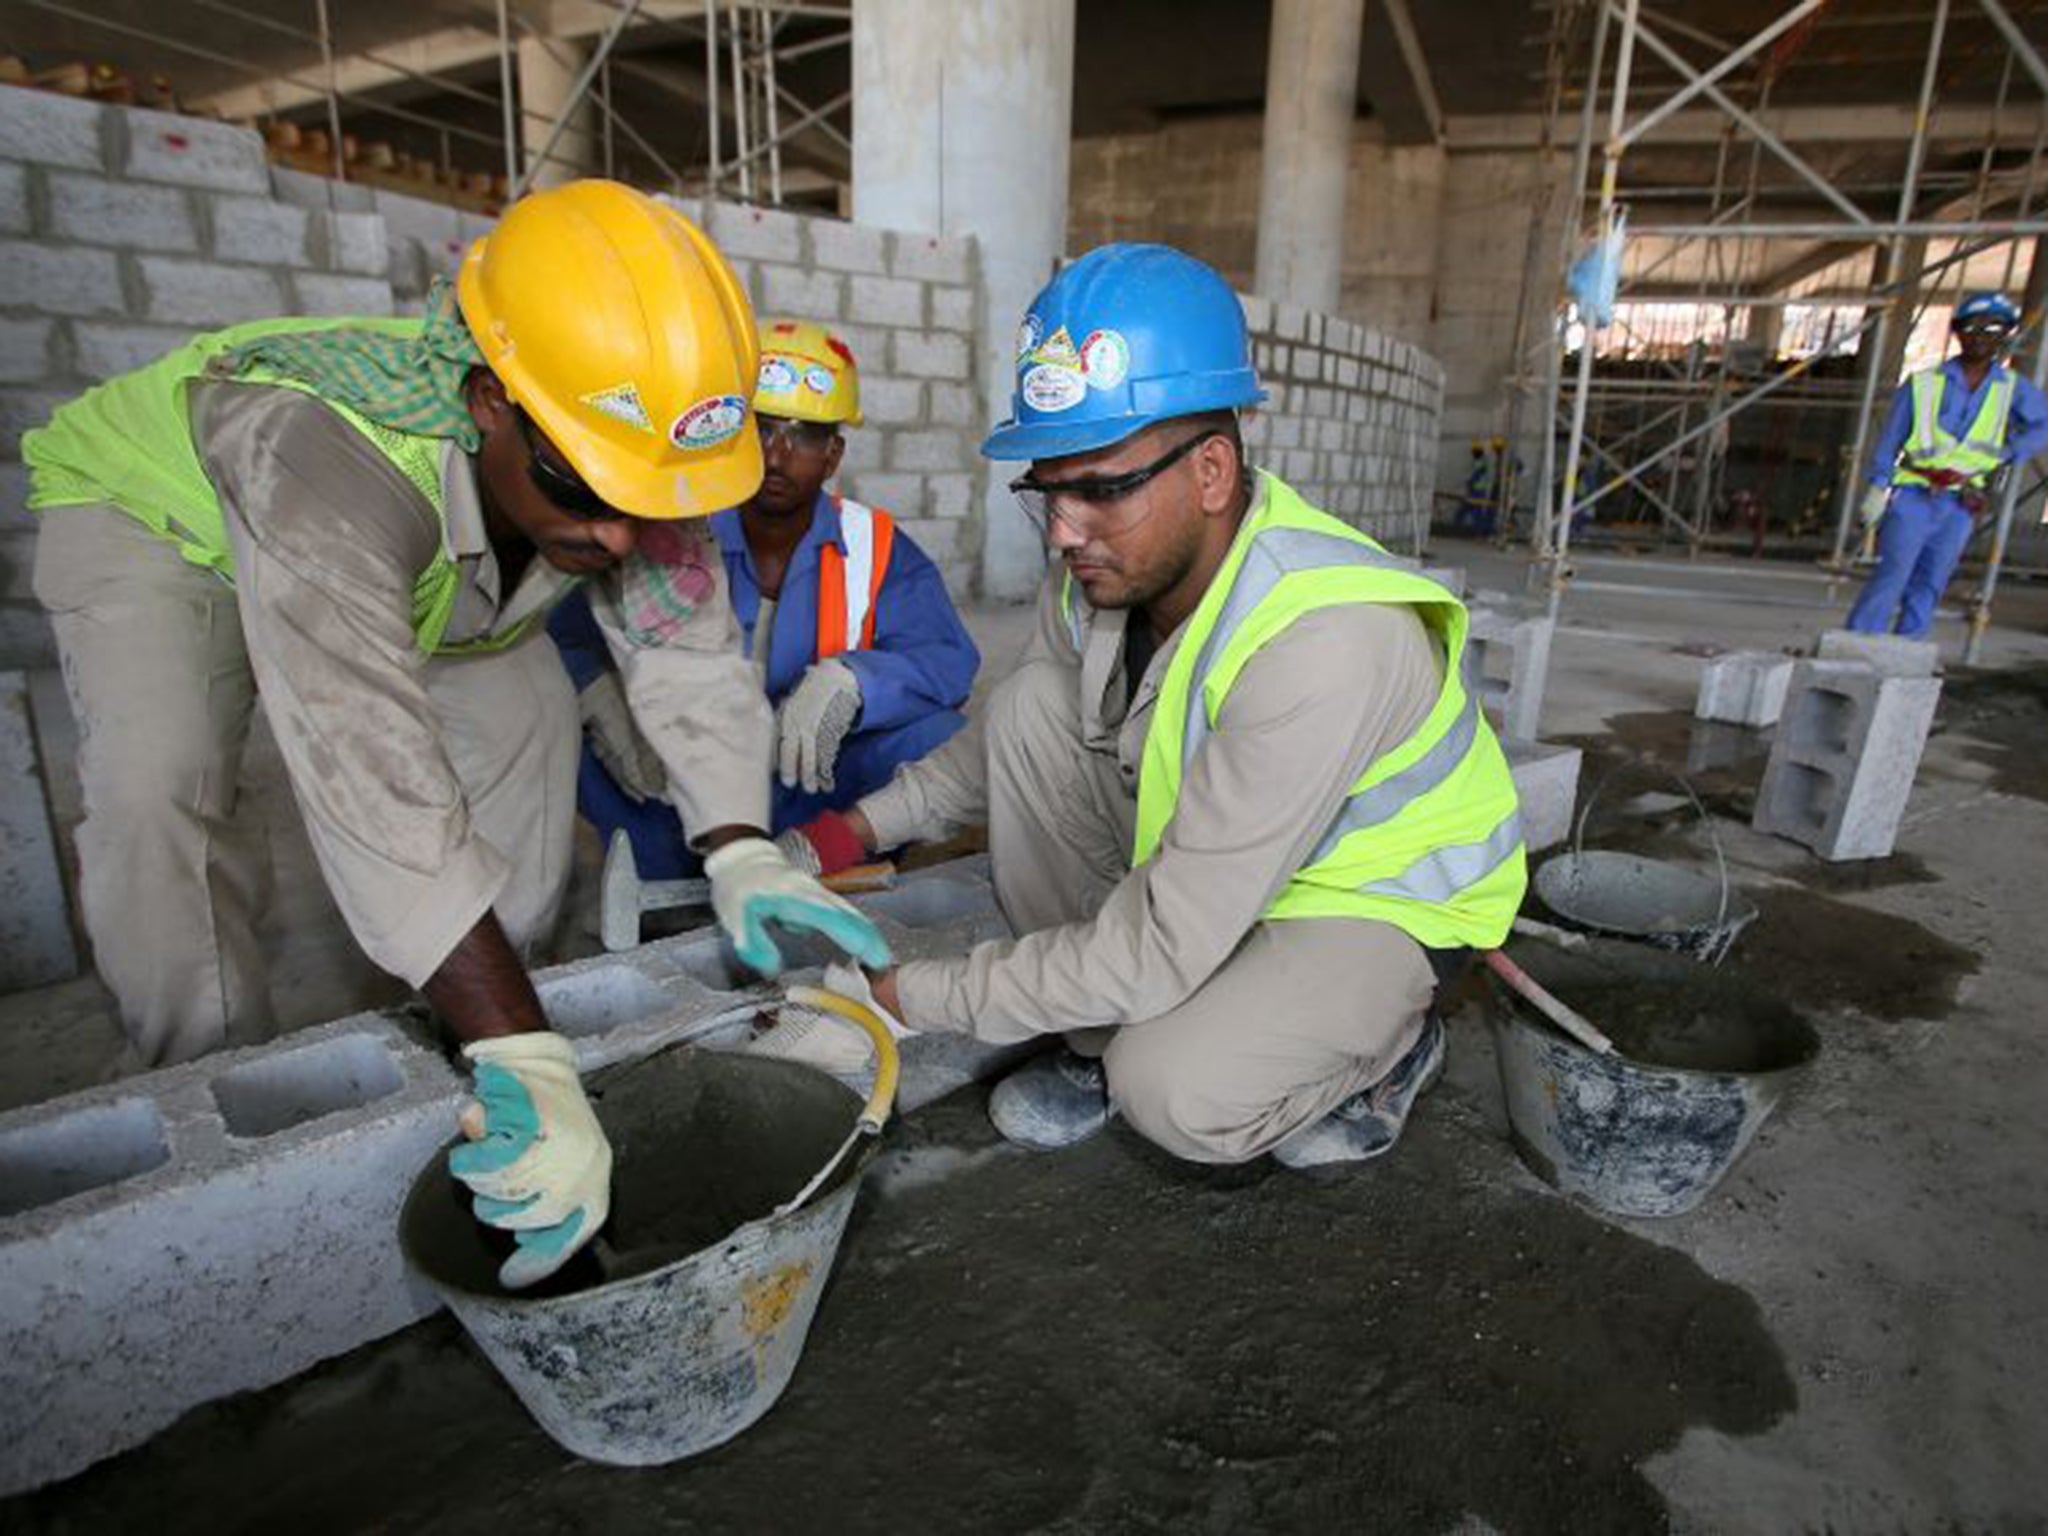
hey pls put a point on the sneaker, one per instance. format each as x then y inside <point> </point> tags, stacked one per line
<point>1367,1124</point>
<point>1052,1101</point>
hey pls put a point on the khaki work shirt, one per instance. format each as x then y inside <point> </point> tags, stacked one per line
<point>329,539</point>
<point>1310,711</point>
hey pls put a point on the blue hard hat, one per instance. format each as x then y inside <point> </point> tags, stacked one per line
<point>1984,306</point>
<point>1127,336</point>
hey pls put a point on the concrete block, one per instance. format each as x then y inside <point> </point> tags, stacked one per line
<point>14,514</point>
<point>220,1226</point>
<point>1893,655</point>
<point>20,411</point>
<point>952,405</point>
<point>97,211</point>
<point>901,496</point>
<point>58,279</point>
<point>799,293</point>
<point>436,226</point>
<point>885,301</point>
<point>47,129</point>
<point>470,228</point>
<point>17,566</point>
<point>192,152</point>
<point>931,258</point>
<point>950,496</point>
<point>892,402</point>
<point>848,247</point>
<point>863,452</point>
<point>1744,688</point>
<point>258,230</point>
<point>929,354</point>
<point>25,350</point>
<point>1507,659</point>
<point>35,923</point>
<point>764,234</point>
<point>1547,783</point>
<point>1842,763</point>
<point>952,308</point>
<point>104,349</point>
<point>201,293</point>
<point>14,212</point>
<point>319,294</point>
<point>303,189</point>
<point>928,452</point>
<point>356,242</point>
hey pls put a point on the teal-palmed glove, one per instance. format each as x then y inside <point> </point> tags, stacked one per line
<point>537,1161</point>
<point>753,884</point>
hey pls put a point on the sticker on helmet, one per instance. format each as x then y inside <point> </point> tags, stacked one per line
<point>709,422</point>
<point>1056,350</point>
<point>1050,387</point>
<point>819,381</point>
<point>622,403</point>
<point>1027,337</point>
<point>1105,359</point>
<point>777,377</point>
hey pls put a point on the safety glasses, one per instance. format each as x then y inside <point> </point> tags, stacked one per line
<point>564,488</point>
<point>1096,504</point>
<point>798,437</point>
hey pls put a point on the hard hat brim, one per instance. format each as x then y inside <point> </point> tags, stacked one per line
<point>1027,440</point>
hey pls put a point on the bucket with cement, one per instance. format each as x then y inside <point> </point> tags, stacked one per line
<point>1701,1061</point>
<point>682,1324</point>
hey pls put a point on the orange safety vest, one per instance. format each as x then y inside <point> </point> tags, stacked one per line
<point>850,584</point>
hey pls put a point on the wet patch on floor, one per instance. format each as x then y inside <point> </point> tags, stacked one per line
<point>1103,1339</point>
<point>1649,751</point>
<point>2005,715</point>
<point>1829,956</point>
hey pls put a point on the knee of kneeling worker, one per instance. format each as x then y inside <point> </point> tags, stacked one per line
<point>1173,1102</point>
<point>1036,703</point>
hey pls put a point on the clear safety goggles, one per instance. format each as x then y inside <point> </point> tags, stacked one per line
<point>1094,505</point>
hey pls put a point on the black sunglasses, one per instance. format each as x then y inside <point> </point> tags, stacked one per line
<point>566,490</point>
<point>1039,497</point>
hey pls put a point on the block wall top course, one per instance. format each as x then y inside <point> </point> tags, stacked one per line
<point>43,128</point>
<point>192,152</point>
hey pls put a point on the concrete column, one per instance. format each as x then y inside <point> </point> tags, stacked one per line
<point>962,113</point>
<point>1311,99</point>
<point>547,71</point>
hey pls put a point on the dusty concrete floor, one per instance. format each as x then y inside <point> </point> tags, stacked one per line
<point>1847,1336</point>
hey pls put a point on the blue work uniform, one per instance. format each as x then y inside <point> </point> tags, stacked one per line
<point>914,680</point>
<point>1924,531</point>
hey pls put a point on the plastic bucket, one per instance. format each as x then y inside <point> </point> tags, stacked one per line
<point>691,1327</point>
<point>1702,1061</point>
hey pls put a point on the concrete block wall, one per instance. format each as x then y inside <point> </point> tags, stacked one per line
<point>123,231</point>
<point>1351,420</point>
<point>1844,758</point>
<point>213,1228</point>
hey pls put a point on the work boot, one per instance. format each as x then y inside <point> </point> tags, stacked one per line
<point>1367,1124</point>
<point>1052,1101</point>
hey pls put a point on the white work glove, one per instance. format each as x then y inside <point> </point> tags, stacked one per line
<point>753,885</point>
<point>811,723</point>
<point>608,721</point>
<point>826,1040</point>
<point>1875,500</point>
<point>537,1160</point>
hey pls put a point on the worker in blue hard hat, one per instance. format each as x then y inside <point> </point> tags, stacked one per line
<point>1242,811</point>
<point>1950,429</point>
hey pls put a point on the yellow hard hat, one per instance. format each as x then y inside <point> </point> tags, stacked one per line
<point>807,374</point>
<point>623,332</point>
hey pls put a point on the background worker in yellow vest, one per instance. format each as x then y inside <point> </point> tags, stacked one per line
<point>847,622</point>
<point>363,523</point>
<point>1240,807</point>
<point>1949,430</point>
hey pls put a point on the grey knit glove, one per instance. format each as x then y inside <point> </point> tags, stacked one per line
<point>812,722</point>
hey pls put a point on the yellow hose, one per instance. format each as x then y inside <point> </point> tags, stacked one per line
<point>882,1097</point>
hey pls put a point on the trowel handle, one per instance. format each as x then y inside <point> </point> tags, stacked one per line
<point>882,1097</point>
<point>1567,1019</point>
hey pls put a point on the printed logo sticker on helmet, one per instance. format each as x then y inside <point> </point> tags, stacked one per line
<point>1028,335</point>
<point>622,403</point>
<point>1105,359</point>
<point>777,378</point>
<point>1057,350</point>
<point>709,422</point>
<point>1053,387</point>
<point>818,380</point>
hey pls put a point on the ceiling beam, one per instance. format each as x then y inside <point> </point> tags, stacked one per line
<point>1418,66</point>
<point>1881,124</point>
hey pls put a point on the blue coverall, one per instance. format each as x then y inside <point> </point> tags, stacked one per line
<point>913,683</point>
<point>1924,531</point>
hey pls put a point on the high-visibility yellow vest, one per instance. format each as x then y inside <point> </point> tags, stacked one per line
<point>129,442</point>
<point>1429,838</point>
<point>1977,453</point>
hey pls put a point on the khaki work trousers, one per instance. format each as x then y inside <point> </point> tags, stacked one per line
<point>1303,1015</point>
<point>172,881</point>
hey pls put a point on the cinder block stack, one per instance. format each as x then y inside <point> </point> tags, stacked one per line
<point>1744,688</point>
<point>1507,657</point>
<point>1843,760</point>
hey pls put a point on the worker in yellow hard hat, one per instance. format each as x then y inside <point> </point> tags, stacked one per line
<point>363,522</point>
<point>847,620</point>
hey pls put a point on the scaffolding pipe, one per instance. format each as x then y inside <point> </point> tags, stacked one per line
<point>714,174</point>
<point>1699,83</point>
<point>505,93</point>
<point>1916,152</point>
<point>767,67</point>
<point>2009,495</point>
<point>579,89</point>
<point>2023,50</point>
<point>740,109</point>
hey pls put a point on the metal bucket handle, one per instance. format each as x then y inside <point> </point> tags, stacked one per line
<point>1706,821</point>
<point>881,1098</point>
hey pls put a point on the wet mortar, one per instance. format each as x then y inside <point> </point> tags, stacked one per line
<point>2005,716</point>
<point>1099,1340</point>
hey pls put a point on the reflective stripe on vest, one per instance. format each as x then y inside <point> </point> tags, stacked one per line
<point>850,585</point>
<point>1978,452</point>
<point>1429,839</point>
<point>1077,623</point>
